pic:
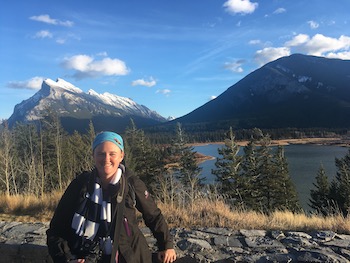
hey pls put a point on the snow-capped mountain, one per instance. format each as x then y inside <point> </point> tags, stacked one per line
<point>70,102</point>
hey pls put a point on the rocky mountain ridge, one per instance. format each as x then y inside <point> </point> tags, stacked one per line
<point>74,105</point>
<point>298,91</point>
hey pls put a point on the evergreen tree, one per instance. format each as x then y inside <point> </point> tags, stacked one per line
<point>249,192</point>
<point>88,139</point>
<point>340,190</point>
<point>276,190</point>
<point>265,181</point>
<point>228,167</point>
<point>80,156</point>
<point>143,157</point>
<point>320,197</point>
<point>259,179</point>
<point>285,196</point>
<point>187,170</point>
<point>130,143</point>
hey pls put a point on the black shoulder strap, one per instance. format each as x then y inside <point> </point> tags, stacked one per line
<point>132,190</point>
<point>120,214</point>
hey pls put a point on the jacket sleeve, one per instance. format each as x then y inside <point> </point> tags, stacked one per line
<point>151,214</point>
<point>60,231</point>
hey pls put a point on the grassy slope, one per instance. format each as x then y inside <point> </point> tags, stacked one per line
<point>202,213</point>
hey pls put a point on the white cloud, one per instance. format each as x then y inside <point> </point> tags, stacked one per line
<point>142,82</point>
<point>213,97</point>
<point>320,45</point>
<point>43,34</point>
<point>164,91</point>
<point>240,6</point>
<point>313,24</point>
<point>270,53</point>
<point>85,66</point>
<point>33,83</point>
<point>102,54</point>
<point>254,42</point>
<point>235,66</point>
<point>63,39</point>
<point>48,20</point>
<point>298,40</point>
<point>60,41</point>
<point>340,55</point>
<point>280,10</point>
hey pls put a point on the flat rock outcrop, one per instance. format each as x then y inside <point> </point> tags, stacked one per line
<point>26,242</point>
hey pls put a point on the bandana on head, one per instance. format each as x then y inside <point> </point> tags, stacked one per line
<point>110,137</point>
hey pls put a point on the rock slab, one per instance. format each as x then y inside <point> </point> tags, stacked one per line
<point>26,242</point>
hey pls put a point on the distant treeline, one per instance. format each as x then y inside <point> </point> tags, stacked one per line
<point>204,132</point>
<point>37,159</point>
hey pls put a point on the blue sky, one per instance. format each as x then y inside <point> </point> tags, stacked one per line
<point>169,55</point>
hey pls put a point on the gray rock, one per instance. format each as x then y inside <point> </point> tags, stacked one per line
<point>26,242</point>
<point>324,236</point>
<point>194,245</point>
<point>262,242</point>
<point>253,233</point>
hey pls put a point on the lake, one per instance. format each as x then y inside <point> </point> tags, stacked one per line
<point>303,160</point>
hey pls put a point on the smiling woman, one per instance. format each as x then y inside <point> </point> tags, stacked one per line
<point>95,221</point>
<point>108,152</point>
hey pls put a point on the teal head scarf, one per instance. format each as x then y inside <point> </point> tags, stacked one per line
<point>110,137</point>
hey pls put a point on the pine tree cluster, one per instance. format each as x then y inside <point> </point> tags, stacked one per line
<point>257,179</point>
<point>334,197</point>
<point>37,159</point>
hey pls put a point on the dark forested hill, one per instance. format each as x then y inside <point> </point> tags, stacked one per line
<point>297,91</point>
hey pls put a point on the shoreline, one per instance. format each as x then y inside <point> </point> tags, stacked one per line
<point>283,142</point>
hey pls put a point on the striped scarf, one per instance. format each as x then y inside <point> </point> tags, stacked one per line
<point>94,215</point>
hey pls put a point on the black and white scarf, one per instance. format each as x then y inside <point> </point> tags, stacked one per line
<point>94,215</point>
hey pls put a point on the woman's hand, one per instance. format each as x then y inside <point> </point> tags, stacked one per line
<point>80,260</point>
<point>167,256</point>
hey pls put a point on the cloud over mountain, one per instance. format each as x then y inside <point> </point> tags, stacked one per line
<point>85,66</point>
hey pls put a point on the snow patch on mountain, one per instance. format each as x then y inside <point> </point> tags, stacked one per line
<point>303,79</point>
<point>61,83</point>
<point>283,68</point>
<point>68,100</point>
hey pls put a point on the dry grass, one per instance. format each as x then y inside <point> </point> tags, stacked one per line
<point>28,208</point>
<point>203,213</point>
<point>218,214</point>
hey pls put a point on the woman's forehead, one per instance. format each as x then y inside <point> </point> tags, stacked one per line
<point>108,146</point>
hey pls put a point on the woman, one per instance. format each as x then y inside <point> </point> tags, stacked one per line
<point>95,220</point>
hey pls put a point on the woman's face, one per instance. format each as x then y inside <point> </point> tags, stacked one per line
<point>107,157</point>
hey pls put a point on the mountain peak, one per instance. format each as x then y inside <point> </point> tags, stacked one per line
<point>61,83</point>
<point>68,101</point>
<point>297,91</point>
